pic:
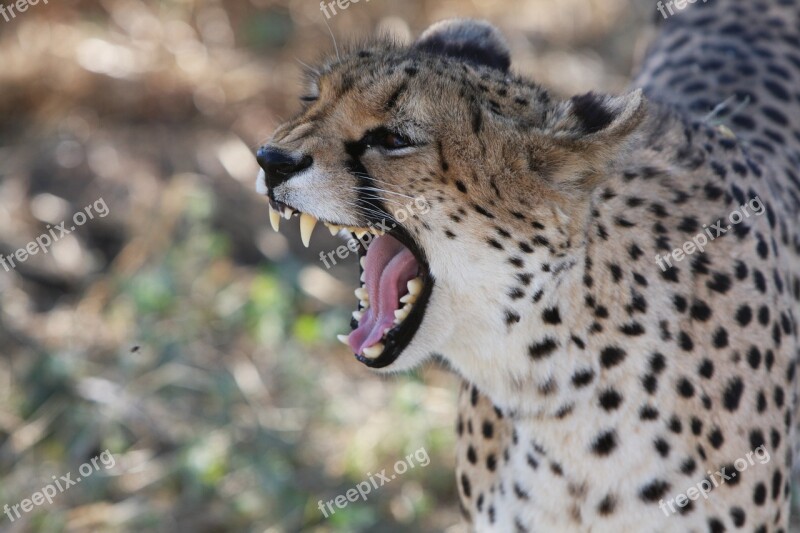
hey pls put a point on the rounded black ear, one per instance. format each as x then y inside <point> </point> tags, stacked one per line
<point>473,41</point>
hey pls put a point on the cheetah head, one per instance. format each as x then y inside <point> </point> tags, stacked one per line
<point>468,182</point>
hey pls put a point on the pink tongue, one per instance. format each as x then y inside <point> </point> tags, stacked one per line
<point>389,267</point>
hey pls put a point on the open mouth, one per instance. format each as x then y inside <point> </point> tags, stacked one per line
<point>395,286</point>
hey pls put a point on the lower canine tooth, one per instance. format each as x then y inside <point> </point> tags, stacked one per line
<point>274,219</point>
<point>374,351</point>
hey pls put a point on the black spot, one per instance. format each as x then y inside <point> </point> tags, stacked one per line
<point>685,341</point>
<point>654,491</point>
<point>738,516</point>
<point>715,438</point>
<point>633,329</point>
<point>662,447</point>
<point>472,457</point>
<point>465,486</point>
<point>612,356</point>
<point>658,363</point>
<point>581,378</point>
<point>542,349</point>
<point>607,505</point>
<point>551,316</point>
<point>494,244</point>
<point>777,483</point>
<point>706,369</point>
<point>648,412</point>
<point>685,388</point>
<point>760,494</point>
<point>733,394</point>
<point>700,311</point>
<point>516,293</point>
<point>605,443</point>
<point>512,317</point>
<point>720,338</point>
<point>757,439</point>
<point>720,283</point>
<point>650,383</point>
<point>610,400</point>
<point>482,211</point>
<point>744,315</point>
<point>715,526</point>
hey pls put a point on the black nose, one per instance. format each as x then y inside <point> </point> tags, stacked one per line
<point>280,166</point>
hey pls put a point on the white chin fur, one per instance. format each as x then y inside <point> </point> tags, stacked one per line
<point>261,183</point>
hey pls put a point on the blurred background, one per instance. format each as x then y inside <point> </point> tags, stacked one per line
<point>179,332</point>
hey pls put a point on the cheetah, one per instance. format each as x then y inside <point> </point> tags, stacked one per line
<point>621,374</point>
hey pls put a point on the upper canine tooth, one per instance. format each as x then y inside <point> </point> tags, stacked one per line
<point>374,351</point>
<point>274,219</point>
<point>415,286</point>
<point>307,223</point>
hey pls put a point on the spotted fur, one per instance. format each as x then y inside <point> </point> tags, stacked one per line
<point>596,384</point>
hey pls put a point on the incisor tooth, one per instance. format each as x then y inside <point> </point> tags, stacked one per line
<point>374,351</point>
<point>333,229</point>
<point>288,212</point>
<point>362,294</point>
<point>360,233</point>
<point>415,286</point>
<point>307,223</point>
<point>343,339</point>
<point>358,315</point>
<point>363,261</point>
<point>408,299</point>
<point>402,314</point>
<point>274,219</point>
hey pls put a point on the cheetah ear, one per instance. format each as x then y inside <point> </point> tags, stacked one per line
<point>595,117</point>
<point>588,133</point>
<point>473,41</point>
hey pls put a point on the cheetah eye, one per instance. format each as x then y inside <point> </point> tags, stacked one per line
<point>393,141</point>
